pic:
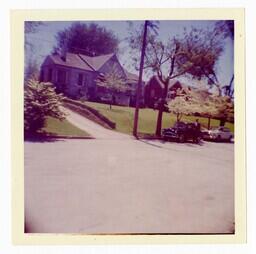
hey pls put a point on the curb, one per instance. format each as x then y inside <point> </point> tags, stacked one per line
<point>70,137</point>
<point>55,137</point>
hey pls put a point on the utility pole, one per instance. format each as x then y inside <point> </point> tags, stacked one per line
<point>136,116</point>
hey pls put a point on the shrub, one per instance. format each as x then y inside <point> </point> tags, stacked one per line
<point>40,101</point>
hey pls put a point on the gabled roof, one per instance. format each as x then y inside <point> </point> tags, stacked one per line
<point>88,63</point>
<point>172,82</point>
<point>96,62</point>
<point>72,60</point>
<point>131,77</point>
<point>81,61</point>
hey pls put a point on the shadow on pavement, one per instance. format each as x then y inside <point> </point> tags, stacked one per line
<point>43,139</point>
<point>188,144</point>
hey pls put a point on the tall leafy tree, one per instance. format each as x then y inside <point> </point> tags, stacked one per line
<point>227,30</point>
<point>32,70</point>
<point>223,107</point>
<point>30,27</point>
<point>31,66</point>
<point>194,53</point>
<point>89,39</point>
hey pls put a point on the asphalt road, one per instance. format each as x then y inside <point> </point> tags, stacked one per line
<point>128,186</point>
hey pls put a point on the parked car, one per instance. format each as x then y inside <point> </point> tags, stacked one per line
<point>218,134</point>
<point>182,132</point>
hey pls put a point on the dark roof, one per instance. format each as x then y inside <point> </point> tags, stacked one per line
<point>72,60</point>
<point>131,77</point>
<point>81,61</point>
<point>172,82</point>
<point>88,63</point>
<point>96,62</point>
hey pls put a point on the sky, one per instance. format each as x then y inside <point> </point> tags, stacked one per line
<point>43,41</point>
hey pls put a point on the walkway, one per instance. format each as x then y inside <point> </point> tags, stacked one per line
<point>94,129</point>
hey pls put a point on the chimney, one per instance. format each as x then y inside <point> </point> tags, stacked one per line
<point>63,51</point>
<point>63,54</point>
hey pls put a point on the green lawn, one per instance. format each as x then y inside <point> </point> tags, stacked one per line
<point>63,128</point>
<point>123,117</point>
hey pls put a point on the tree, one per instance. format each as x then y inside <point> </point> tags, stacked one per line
<point>226,29</point>
<point>40,101</point>
<point>89,39</point>
<point>195,53</point>
<point>224,108</point>
<point>30,27</point>
<point>218,107</point>
<point>31,70</point>
<point>187,101</point>
<point>31,66</point>
<point>114,82</point>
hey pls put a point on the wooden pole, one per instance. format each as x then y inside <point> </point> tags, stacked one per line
<point>136,115</point>
<point>209,123</point>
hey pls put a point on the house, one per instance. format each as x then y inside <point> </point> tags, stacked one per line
<point>75,76</point>
<point>154,90</point>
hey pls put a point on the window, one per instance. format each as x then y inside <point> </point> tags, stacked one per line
<point>61,77</point>
<point>49,78</point>
<point>80,79</point>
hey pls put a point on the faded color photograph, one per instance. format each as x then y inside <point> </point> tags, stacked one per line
<point>129,127</point>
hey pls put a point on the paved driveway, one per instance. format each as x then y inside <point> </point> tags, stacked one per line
<point>94,129</point>
<point>129,186</point>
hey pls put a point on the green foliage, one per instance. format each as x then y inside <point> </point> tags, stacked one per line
<point>226,28</point>
<point>194,53</point>
<point>221,107</point>
<point>197,53</point>
<point>113,81</point>
<point>40,101</point>
<point>31,26</point>
<point>31,70</point>
<point>189,101</point>
<point>89,39</point>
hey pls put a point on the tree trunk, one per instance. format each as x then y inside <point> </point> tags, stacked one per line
<point>209,123</point>
<point>110,106</point>
<point>222,121</point>
<point>159,122</point>
<point>230,90</point>
<point>161,109</point>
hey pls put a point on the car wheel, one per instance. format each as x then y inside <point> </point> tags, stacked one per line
<point>218,138</point>
<point>181,138</point>
<point>229,139</point>
<point>197,140</point>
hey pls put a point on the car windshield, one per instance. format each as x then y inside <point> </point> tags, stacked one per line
<point>180,125</point>
<point>221,129</point>
<point>215,128</point>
